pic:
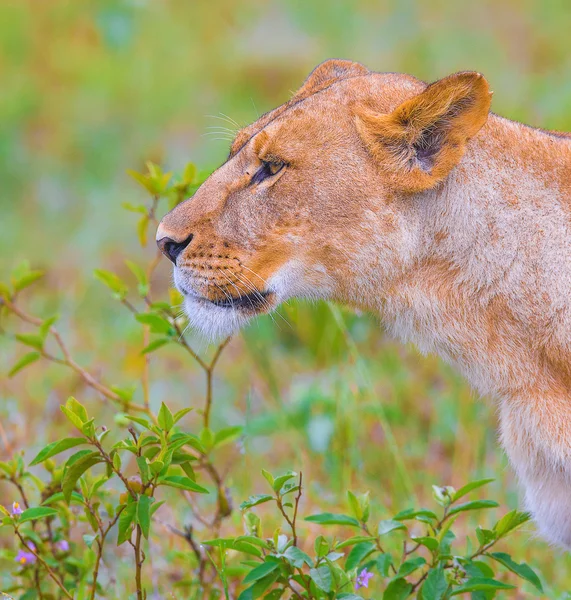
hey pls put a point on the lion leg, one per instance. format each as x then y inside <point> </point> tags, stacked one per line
<point>536,434</point>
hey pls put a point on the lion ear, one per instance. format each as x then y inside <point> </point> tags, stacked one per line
<point>328,72</point>
<point>424,138</point>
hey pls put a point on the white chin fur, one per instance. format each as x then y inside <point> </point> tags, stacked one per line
<point>213,322</point>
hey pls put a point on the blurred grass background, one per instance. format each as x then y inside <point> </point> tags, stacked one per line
<point>90,89</point>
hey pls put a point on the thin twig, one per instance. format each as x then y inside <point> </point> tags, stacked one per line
<point>55,578</point>
<point>209,374</point>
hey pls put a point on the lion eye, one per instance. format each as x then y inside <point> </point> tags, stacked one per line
<point>268,169</point>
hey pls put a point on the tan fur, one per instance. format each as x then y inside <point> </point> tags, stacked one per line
<point>412,201</point>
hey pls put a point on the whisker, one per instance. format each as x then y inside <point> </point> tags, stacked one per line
<point>227,119</point>
<point>257,294</point>
<point>228,296</point>
<point>235,286</point>
<point>268,285</point>
<point>231,120</point>
<point>220,128</point>
<point>221,135</point>
<point>254,273</point>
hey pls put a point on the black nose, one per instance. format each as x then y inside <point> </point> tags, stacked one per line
<point>172,249</point>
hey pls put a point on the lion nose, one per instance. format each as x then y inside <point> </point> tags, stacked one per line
<point>171,248</point>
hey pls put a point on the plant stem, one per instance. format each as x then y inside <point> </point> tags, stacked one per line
<point>100,544</point>
<point>68,360</point>
<point>209,373</point>
<point>55,578</point>
<point>138,565</point>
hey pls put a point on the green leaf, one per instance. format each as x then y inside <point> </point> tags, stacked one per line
<point>26,360</point>
<point>30,339</point>
<point>38,512</point>
<point>410,566</point>
<point>44,328</point>
<point>521,569</point>
<point>259,587</point>
<point>279,481</point>
<point>89,539</point>
<point>142,226</point>
<point>485,536</point>
<point>113,282</point>
<point>146,181</point>
<point>389,525</point>
<point>180,414</point>
<point>141,276</point>
<point>59,497</point>
<point>155,345</point>
<point>140,421</point>
<point>155,506</point>
<point>354,540</point>
<point>57,447</point>
<point>398,589</point>
<point>76,456</point>
<point>76,470</point>
<point>332,519</point>
<point>5,291</point>
<point>144,470</point>
<point>88,428</point>
<point>424,515</point>
<point>321,576</point>
<point>477,568</point>
<point>156,467</point>
<point>187,439</point>
<point>26,280</point>
<point>125,522</point>
<point>354,505</point>
<point>77,409</point>
<point>321,546</point>
<point>227,435</point>
<point>474,505</point>
<point>435,585</point>
<point>165,417</point>
<point>474,485</point>
<point>297,557</point>
<point>156,323</point>
<point>261,571</point>
<point>144,514</point>
<point>184,483</point>
<point>357,554</point>
<point>255,500</point>
<point>429,542</point>
<point>511,521</point>
<point>268,477</point>
<point>481,584</point>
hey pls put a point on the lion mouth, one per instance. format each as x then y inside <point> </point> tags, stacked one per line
<point>255,301</point>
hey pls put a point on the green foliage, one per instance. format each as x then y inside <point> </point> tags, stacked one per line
<point>105,485</point>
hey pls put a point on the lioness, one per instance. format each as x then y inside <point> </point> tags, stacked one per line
<point>413,201</point>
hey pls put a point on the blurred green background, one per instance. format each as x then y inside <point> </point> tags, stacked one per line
<point>90,89</point>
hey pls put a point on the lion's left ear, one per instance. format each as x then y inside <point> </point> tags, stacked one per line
<point>424,138</point>
<point>328,72</point>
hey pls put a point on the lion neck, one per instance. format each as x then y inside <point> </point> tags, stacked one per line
<point>485,274</point>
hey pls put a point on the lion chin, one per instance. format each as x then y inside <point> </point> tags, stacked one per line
<point>212,322</point>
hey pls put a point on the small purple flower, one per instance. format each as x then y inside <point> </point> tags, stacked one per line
<point>16,510</point>
<point>26,558</point>
<point>62,546</point>
<point>363,579</point>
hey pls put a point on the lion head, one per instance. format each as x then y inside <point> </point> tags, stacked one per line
<point>317,197</point>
